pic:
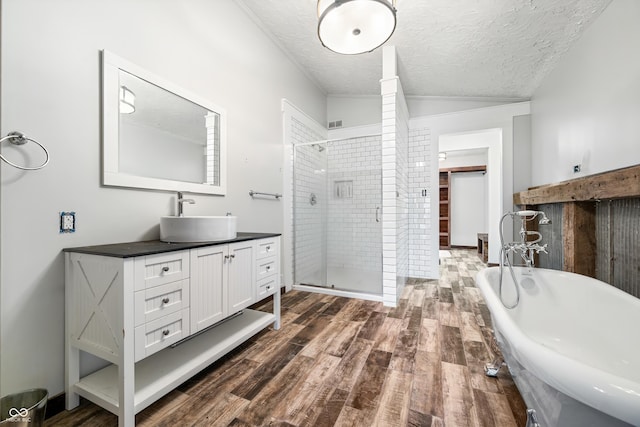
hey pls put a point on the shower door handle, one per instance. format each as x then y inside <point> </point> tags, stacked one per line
<point>377,213</point>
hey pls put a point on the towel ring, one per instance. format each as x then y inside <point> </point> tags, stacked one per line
<point>18,138</point>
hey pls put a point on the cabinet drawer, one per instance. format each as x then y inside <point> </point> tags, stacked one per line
<point>153,303</point>
<point>266,267</point>
<point>268,286</point>
<point>267,247</point>
<point>161,333</point>
<point>154,270</point>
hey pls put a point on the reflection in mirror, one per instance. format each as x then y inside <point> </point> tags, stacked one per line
<point>165,136</point>
<point>157,135</point>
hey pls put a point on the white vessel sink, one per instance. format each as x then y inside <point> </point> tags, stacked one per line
<point>197,228</point>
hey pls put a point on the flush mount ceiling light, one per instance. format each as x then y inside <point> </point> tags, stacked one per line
<point>355,26</point>
<point>127,100</point>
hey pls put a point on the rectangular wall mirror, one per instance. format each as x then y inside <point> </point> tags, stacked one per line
<point>157,135</point>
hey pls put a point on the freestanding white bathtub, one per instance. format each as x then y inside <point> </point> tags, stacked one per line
<point>572,346</point>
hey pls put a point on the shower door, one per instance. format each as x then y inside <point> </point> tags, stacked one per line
<point>337,215</point>
<point>309,214</point>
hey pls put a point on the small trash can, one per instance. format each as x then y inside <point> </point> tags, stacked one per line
<point>24,409</point>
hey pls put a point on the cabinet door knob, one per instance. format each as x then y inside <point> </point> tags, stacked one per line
<point>268,267</point>
<point>268,248</point>
<point>165,332</point>
<point>232,256</point>
<point>165,300</point>
<point>165,269</point>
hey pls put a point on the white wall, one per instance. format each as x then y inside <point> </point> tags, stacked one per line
<point>587,110</point>
<point>462,158</point>
<point>521,153</point>
<point>420,106</point>
<point>469,207</point>
<point>51,91</point>
<point>354,110</point>
<point>367,110</point>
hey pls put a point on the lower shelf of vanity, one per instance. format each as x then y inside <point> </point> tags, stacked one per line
<point>162,372</point>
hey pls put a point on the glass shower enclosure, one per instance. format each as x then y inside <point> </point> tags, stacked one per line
<point>337,215</point>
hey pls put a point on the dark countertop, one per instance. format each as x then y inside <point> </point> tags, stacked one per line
<point>150,247</point>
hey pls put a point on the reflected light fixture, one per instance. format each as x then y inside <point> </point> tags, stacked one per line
<point>351,27</point>
<point>127,100</point>
<point>442,156</point>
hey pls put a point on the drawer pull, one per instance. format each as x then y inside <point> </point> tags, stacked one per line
<point>165,300</point>
<point>268,267</point>
<point>165,332</point>
<point>268,287</point>
<point>165,269</point>
<point>268,248</point>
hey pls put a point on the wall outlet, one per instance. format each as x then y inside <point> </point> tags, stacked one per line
<point>577,168</point>
<point>67,222</point>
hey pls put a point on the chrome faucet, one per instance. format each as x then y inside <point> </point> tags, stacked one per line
<point>182,200</point>
<point>527,248</point>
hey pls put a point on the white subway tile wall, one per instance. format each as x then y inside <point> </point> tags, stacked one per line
<point>402,188</point>
<point>390,293</point>
<point>395,190</point>
<point>420,230</point>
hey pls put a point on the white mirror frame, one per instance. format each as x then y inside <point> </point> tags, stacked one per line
<point>111,176</point>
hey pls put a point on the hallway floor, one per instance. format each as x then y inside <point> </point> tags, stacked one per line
<point>347,362</point>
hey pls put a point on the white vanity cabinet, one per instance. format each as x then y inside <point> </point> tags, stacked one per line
<point>223,282</point>
<point>129,308</point>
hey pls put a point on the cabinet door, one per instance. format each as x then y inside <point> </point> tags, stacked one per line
<point>242,275</point>
<point>208,289</point>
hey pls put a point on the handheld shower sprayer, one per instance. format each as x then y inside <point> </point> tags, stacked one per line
<point>529,215</point>
<point>525,213</point>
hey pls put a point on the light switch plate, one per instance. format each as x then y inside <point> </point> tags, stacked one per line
<point>67,222</point>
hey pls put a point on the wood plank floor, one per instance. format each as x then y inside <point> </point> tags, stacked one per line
<point>348,362</point>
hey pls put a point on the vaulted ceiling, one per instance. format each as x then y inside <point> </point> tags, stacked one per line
<point>471,48</point>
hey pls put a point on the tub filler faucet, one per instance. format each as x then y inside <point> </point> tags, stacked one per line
<point>181,201</point>
<point>526,248</point>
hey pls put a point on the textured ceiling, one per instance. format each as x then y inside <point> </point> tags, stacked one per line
<point>476,48</point>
